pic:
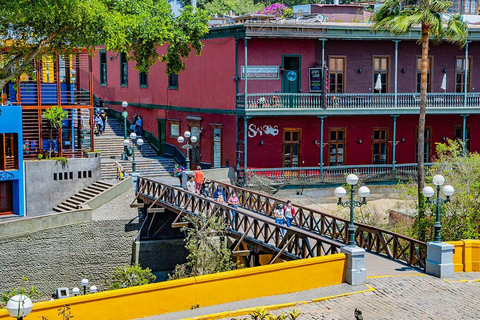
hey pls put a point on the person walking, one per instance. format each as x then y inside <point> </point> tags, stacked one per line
<point>289,213</point>
<point>219,195</point>
<point>120,171</point>
<point>177,172</point>
<point>138,126</point>
<point>198,179</point>
<point>233,202</point>
<point>104,118</point>
<point>191,184</point>
<point>279,216</point>
<point>98,124</point>
<point>133,127</point>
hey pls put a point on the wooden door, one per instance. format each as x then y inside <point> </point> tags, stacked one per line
<point>6,197</point>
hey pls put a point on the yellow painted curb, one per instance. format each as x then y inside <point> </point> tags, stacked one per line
<point>245,311</point>
<point>463,280</point>
<point>370,288</point>
<point>398,275</point>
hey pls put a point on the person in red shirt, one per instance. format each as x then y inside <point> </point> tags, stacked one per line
<point>198,180</point>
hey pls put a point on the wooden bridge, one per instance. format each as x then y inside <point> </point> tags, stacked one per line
<point>313,233</point>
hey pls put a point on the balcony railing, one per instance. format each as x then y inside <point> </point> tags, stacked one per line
<point>334,174</point>
<point>265,101</point>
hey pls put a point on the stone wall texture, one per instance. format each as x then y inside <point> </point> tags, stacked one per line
<point>61,257</point>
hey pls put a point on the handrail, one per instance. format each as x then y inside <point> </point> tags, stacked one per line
<point>254,228</point>
<point>334,173</point>
<point>357,100</point>
<point>392,245</point>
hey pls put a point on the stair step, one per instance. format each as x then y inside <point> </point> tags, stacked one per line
<point>100,186</point>
<point>74,206</point>
<point>87,193</point>
<point>93,188</point>
<point>64,207</point>
<point>57,209</point>
<point>78,199</point>
<point>103,183</point>
<point>74,202</point>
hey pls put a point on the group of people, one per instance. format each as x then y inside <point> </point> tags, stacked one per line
<point>137,124</point>
<point>284,214</point>
<point>100,119</point>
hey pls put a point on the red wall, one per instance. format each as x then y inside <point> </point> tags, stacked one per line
<point>269,155</point>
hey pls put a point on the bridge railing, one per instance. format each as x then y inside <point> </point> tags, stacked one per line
<point>303,175</point>
<point>255,229</point>
<point>392,245</point>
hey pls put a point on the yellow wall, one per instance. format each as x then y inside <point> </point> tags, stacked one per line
<point>177,295</point>
<point>467,255</point>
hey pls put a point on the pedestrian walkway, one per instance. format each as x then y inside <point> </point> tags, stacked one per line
<point>279,301</point>
<point>402,297</point>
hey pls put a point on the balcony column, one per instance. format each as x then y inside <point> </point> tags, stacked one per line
<point>465,80</point>
<point>396,82</point>
<point>246,73</point>
<point>245,136</point>
<point>322,118</point>
<point>464,133</point>
<point>394,140</point>
<point>323,76</point>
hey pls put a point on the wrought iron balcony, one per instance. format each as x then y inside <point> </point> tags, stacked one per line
<point>355,101</point>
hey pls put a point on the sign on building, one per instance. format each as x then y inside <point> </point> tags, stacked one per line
<point>315,77</point>
<point>261,72</point>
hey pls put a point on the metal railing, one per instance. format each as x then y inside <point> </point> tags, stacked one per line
<point>309,175</point>
<point>386,243</point>
<point>355,100</point>
<point>258,231</point>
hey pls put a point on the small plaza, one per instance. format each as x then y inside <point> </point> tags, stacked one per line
<point>294,160</point>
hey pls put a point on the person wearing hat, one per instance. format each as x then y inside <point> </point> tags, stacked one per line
<point>279,216</point>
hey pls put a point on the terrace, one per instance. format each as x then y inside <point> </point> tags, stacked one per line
<point>352,103</point>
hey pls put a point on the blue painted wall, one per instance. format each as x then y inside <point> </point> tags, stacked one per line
<point>11,122</point>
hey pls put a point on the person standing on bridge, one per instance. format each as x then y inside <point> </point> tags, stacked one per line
<point>233,202</point>
<point>191,184</point>
<point>198,179</point>
<point>289,213</point>
<point>279,216</point>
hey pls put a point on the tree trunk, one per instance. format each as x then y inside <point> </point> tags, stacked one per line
<point>421,132</point>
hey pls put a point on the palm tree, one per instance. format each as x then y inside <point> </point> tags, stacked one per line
<point>399,19</point>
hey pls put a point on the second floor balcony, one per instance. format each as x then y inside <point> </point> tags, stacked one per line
<point>356,103</point>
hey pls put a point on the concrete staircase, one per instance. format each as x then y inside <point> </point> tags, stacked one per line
<point>148,163</point>
<point>79,199</point>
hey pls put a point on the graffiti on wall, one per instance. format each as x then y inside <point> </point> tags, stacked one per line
<point>253,130</point>
<point>6,176</point>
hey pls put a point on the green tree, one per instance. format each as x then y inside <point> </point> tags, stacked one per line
<point>55,116</point>
<point>125,277</point>
<point>399,19</point>
<point>29,28</point>
<point>32,293</point>
<point>206,246</point>
<point>239,7</point>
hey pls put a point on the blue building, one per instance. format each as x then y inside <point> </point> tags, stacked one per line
<point>12,190</point>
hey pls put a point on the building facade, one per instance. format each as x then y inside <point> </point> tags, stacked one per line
<point>12,191</point>
<point>314,95</point>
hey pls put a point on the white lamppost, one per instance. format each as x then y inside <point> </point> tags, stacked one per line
<point>84,283</point>
<point>187,146</point>
<point>93,289</point>
<point>19,306</point>
<point>428,192</point>
<point>124,115</point>
<point>363,192</point>
<point>76,291</point>
<point>139,142</point>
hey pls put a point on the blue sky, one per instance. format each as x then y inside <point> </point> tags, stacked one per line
<point>175,7</point>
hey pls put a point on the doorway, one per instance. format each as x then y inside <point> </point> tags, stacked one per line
<point>6,197</point>
<point>216,147</point>
<point>292,138</point>
<point>291,76</point>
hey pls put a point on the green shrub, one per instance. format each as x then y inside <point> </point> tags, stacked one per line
<point>125,277</point>
<point>32,293</point>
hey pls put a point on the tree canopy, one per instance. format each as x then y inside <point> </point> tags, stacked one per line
<point>32,27</point>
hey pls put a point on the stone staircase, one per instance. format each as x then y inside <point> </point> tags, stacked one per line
<point>79,199</point>
<point>148,163</point>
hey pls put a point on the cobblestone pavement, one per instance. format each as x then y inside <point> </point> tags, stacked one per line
<point>403,297</point>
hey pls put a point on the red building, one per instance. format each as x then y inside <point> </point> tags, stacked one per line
<point>367,114</point>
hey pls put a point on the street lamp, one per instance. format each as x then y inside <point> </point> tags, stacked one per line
<point>124,115</point>
<point>76,291</point>
<point>84,283</point>
<point>187,146</point>
<point>428,192</point>
<point>363,192</point>
<point>93,289</point>
<point>19,306</point>
<point>134,142</point>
